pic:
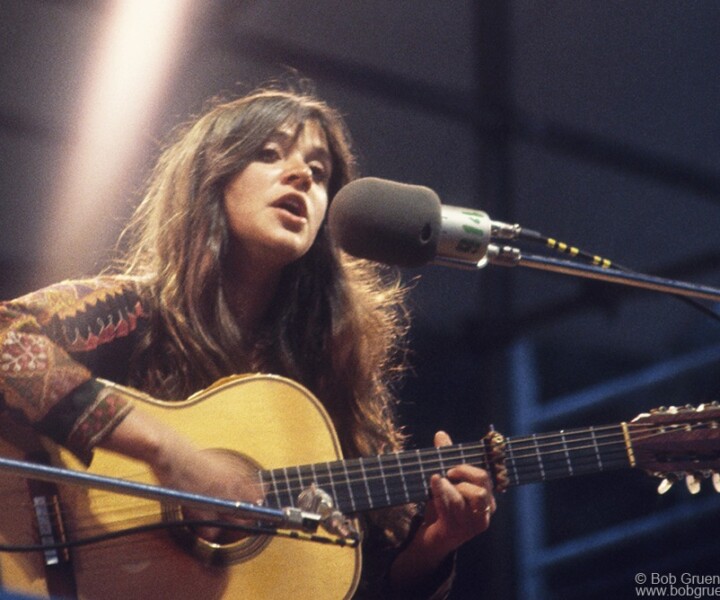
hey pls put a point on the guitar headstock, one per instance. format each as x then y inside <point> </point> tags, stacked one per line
<point>676,443</point>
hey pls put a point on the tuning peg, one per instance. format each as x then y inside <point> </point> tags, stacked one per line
<point>692,482</point>
<point>716,482</point>
<point>665,485</point>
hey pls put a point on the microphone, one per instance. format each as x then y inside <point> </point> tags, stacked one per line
<point>406,225</point>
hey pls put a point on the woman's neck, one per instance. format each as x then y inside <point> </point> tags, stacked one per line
<point>249,293</point>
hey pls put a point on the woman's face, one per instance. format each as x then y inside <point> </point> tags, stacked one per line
<point>275,206</point>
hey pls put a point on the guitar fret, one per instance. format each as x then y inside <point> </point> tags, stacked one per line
<point>511,463</point>
<point>275,488</point>
<point>300,486</point>
<point>565,450</point>
<point>323,477</point>
<point>261,482</point>
<point>289,488</point>
<point>440,460</point>
<point>367,485</point>
<point>590,453</point>
<point>331,481</point>
<point>402,477</point>
<point>349,487</point>
<point>384,481</point>
<point>539,457</point>
<point>423,474</point>
<point>395,478</point>
<point>597,449</point>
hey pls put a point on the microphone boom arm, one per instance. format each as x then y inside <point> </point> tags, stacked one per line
<point>285,518</point>
<point>508,256</point>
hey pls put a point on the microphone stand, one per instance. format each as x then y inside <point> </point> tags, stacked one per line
<point>508,256</point>
<point>282,518</point>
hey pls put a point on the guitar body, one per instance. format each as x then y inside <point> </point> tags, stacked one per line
<point>272,423</point>
<point>272,420</point>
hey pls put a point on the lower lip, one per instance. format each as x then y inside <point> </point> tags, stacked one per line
<point>291,217</point>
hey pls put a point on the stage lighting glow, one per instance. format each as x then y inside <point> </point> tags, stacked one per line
<point>137,48</point>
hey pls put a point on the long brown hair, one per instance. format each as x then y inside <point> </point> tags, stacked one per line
<point>336,324</point>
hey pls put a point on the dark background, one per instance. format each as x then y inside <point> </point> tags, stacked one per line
<point>593,122</point>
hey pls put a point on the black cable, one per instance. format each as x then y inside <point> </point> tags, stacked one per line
<point>599,261</point>
<point>112,535</point>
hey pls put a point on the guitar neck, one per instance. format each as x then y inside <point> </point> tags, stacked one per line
<point>368,483</point>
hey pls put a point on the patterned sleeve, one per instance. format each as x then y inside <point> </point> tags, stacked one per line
<point>42,384</point>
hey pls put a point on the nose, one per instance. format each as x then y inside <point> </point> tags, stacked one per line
<point>298,174</point>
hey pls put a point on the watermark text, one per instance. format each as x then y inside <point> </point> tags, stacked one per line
<point>677,585</point>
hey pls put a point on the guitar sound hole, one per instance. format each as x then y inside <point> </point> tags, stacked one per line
<point>229,546</point>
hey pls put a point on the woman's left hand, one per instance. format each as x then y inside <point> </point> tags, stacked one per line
<point>460,506</point>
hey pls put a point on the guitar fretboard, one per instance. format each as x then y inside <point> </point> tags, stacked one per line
<point>368,483</point>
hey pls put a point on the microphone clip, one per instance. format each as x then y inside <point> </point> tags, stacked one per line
<point>315,500</point>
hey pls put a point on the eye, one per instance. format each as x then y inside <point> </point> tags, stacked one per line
<point>319,171</point>
<point>269,153</point>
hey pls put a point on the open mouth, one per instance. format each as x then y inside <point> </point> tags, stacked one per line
<point>292,204</point>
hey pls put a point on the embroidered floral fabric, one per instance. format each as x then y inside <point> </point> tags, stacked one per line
<point>44,337</point>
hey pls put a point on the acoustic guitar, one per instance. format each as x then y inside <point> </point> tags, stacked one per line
<point>273,422</point>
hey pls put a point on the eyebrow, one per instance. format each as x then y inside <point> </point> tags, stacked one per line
<point>317,152</point>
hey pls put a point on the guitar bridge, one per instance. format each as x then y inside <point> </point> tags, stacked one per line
<point>50,528</point>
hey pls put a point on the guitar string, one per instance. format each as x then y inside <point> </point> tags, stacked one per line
<point>122,536</point>
<point>113,517</point>
<point>552,467</point>
<point>471,450</point>
<point>635,432</point>
<point>108,509</point>
<point>110,513</point>
<point>561,464</point>
<point>422,490</point>
<point>100,531</point>
<point>410,490</point>
<point>418,489</point>
<point>533,445</point>
<point>462,454</point>
<point>99,496</point>
<point>434,457</point>
<point>467,453</point>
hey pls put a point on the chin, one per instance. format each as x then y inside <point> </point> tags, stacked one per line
<point>289,253</point>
